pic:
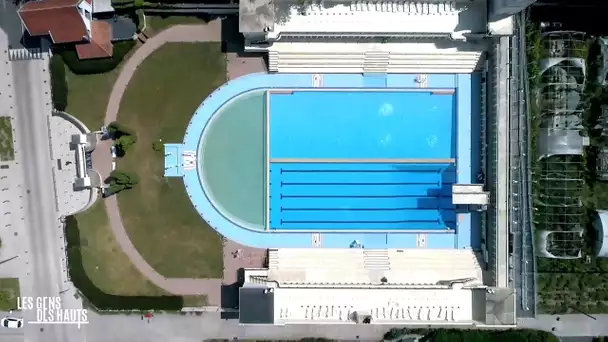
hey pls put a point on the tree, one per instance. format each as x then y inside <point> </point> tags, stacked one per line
<point>118,130</point>
<point>123,137</point>
<point>121,180</point>
<point>124,143</point>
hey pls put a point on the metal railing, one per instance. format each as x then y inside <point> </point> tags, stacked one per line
<point>524,262</point>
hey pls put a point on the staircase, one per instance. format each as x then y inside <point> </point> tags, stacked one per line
<point>293,58</point>
<point>273,259</point>
<point>376,259</point>
<point>24,54</point>
<point>273,61</point>
<point>376,62</point>
<point>260,280</point>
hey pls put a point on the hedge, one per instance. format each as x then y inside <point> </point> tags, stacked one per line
<point>98,298</point>
<point>95,66</point>
<point>59,84</point>
<point>461,335</point>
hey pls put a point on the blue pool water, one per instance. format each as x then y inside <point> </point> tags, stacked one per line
<point>362,124</point>
<point>339,195</point>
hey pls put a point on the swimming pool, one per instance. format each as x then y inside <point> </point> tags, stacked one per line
<point>361,160</point>
<point>383,154</point>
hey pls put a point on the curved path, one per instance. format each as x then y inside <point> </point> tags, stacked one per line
<point>181,33</point>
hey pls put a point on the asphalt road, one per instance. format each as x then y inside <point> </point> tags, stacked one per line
<point>10,23</point>
<point>44,271</point>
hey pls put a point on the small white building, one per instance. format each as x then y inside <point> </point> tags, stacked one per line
<point>83,144</point>
<point>360,286</point>
<point>336,36</point>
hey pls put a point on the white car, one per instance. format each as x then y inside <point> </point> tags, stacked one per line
<point>11,322</point>
<point>113,151</point>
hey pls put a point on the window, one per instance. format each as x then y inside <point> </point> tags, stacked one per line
<point>87,14</point>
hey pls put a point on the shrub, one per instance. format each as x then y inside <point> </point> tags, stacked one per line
<point>59,84</point>
<point>117,130</point>
<point>158,145</point>
<point>119,180</point>
<point>95,66</point>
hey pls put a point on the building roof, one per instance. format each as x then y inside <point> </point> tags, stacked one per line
<point>384,17</point>
<point>256,305</point>
<point>59,19</point>
<point>101,42</point>
<point>338,305</point>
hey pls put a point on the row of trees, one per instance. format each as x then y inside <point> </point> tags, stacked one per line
<point>124,138</point>
<point>461,335</point>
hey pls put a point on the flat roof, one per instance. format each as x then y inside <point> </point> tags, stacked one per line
<point>300,305</point>
<point>384,17</point>
<point>256,305</point>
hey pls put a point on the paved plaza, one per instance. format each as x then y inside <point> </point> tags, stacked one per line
<point>69,200</point>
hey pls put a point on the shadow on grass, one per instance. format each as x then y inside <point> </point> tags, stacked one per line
<point>98,298</point>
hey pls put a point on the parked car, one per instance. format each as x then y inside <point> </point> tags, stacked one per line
<point>12,322</point>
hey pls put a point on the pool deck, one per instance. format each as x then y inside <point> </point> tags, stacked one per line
<point>466,108</point>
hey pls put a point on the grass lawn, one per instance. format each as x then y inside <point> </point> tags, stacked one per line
<point>7,152</point>
<point>107,267</point>
<point>88,96</point>
<point>105,264</point>
<point>155,24</point>
<point>9,292</point>
<point>160,100</point>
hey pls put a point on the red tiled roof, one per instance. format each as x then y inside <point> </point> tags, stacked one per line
<point>100,45</point>
<point>58,18</point>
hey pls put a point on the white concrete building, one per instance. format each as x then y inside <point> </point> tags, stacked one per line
<point>370,36</point>
<point>342,286</point>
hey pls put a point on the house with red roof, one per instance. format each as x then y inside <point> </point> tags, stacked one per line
<point>69,22</point>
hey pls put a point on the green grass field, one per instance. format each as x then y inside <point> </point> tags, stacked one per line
<point>158,104</point>
<point>9,292</point>
<point>7,152</point>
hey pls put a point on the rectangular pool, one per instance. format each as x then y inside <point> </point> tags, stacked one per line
<point>362,124</point>
<point>361,160</point>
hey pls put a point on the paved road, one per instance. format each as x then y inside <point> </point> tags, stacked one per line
<point>570,326</point>
<point>45,271</point>
<point>10,22</point>
<point>192,328</point>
